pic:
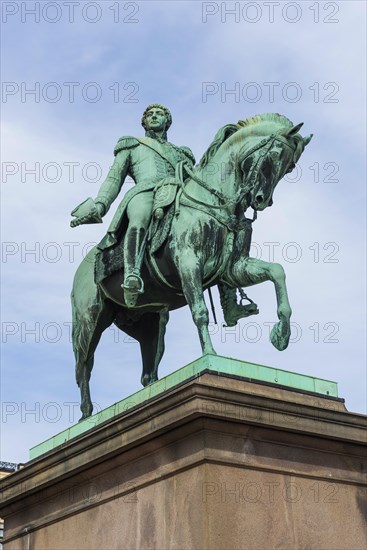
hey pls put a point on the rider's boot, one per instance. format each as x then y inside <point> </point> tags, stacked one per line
<point>133,254</point>
<point>233,311</point>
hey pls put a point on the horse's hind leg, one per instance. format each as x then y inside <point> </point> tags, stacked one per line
<point>152,348</point>
<point>83,327</point>
<point>149,331</point>
<point>91,316</point>
<point>88,327</point>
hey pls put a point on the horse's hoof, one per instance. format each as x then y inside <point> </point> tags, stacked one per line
<point>279,336</point>
<point>85,415</point>
<point>210,352</point>
<point>148,379</point>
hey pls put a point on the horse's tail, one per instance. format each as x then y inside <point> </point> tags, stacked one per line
<point>79,337</point>
<point>86,303</point>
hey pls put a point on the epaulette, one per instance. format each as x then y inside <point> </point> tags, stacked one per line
<point>187,151</point>
<point>125,142</point>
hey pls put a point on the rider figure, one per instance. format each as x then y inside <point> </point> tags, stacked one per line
<point>147,160</point>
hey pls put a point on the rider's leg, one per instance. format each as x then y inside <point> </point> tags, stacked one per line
<point>139,212</point>
<point>233,311</point>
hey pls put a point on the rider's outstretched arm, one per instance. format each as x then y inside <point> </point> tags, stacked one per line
<point>93,210</point>
<point>111,186</point>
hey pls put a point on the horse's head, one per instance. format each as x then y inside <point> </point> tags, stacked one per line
<point>257,152</point>
<point>276,158</point>
<point>271,159</point>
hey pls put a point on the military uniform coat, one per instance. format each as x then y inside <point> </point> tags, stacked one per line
<point>147,161</point>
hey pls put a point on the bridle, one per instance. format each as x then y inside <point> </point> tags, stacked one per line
<point>247,184</point>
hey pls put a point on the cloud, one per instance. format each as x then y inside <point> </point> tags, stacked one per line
<point>169,54</point>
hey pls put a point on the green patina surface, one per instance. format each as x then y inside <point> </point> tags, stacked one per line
<point>213,363</point>
<point>191,220</point>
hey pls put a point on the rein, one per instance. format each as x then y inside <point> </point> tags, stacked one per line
<point>243,189</point>
<point>220,196</point>
<point>230,221</point>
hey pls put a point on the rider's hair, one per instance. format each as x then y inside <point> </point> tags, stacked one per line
<point>157,106</point>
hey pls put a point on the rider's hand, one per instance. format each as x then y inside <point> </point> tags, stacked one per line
<point>77,221</point>
<point>87,212</point>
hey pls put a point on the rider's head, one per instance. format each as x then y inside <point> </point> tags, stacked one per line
<point>156,118</point>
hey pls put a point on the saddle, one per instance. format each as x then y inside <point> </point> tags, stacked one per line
<point>166,197</point>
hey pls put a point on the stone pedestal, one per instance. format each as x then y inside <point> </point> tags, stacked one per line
<point>213,462</point>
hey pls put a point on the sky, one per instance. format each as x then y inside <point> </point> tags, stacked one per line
<point>76,76</point>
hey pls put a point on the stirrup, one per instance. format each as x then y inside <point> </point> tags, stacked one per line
<point>133,288</point>
<point>238,311</point>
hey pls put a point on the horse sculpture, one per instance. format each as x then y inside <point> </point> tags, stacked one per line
<point>208,242</point>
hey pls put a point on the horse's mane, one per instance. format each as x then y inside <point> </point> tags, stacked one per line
<point>229,129</point>
<point>267,117</point>
<point>220,137</point>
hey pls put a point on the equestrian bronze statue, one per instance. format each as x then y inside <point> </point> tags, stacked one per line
<point>180,230</point>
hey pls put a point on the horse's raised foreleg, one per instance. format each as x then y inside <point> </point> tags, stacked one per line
<point>249,271</point>
<point>191,280</point>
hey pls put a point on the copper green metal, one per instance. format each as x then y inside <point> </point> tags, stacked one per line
<point>180,230</point>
